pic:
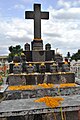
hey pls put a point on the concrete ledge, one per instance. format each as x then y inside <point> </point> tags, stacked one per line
<point>40,92</point>
<point>23,107</point>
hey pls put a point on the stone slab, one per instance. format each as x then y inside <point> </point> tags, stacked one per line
<point>28,106</point>
<point>40,92</point>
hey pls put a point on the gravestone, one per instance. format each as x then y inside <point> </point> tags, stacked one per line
<point>47,72</point>
<point>27,47</point>
<point>38,54</point>
<point>37,15</point>
<point>48,46</point>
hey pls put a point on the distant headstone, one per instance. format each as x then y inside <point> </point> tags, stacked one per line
<point>27,47</point>
<point>48,46</point>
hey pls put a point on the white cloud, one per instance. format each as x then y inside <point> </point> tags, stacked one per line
<point>19,6</point>
<point>70,13</point>
<point>64,4</point>
<point>62,30</point>
<point>14,31</point>
<point>67,3</point>
<point>28,1</point>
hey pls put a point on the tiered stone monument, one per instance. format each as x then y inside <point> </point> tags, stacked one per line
<point>39,66</point>
<point>37,54</point>
<point>34,58</point>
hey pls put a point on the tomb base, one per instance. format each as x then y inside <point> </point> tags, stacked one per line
<point>27,108</point>
<point>37,78</point>
<point>41,92</point>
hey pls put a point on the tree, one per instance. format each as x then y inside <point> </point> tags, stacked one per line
<point>17,50</point>
<point>76,56</point>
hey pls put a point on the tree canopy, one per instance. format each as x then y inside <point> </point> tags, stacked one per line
<point>17,50</point>
<point>76,56</point>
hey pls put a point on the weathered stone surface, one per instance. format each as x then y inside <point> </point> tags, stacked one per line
<point>28,55</point>
<point>33,79</point>
<point>38,56</point>
<point>37,45</point>
<point>23,107</point>
<point>41,92</point>
<point>49,55</point>
<point>16,80</point>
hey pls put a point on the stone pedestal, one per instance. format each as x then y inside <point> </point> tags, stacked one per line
<point>37,44</point>
<point>38,56</point>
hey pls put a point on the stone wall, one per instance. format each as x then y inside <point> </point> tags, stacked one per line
<point>34,79</point>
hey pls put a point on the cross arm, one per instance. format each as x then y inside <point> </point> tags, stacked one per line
<point>44,15</point>
<point>29,14</point>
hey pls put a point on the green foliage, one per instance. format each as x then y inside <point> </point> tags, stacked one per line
<point>76,56</point>
<point>17,50</point>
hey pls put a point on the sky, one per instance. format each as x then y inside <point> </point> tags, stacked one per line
<point>62,30</point>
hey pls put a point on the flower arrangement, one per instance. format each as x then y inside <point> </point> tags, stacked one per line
<point>51,102</point>
<point>67,85</point>
<point>44,85</point>
<point>20,87</point>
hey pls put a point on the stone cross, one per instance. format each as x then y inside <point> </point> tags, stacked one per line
<point>37,15</point>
